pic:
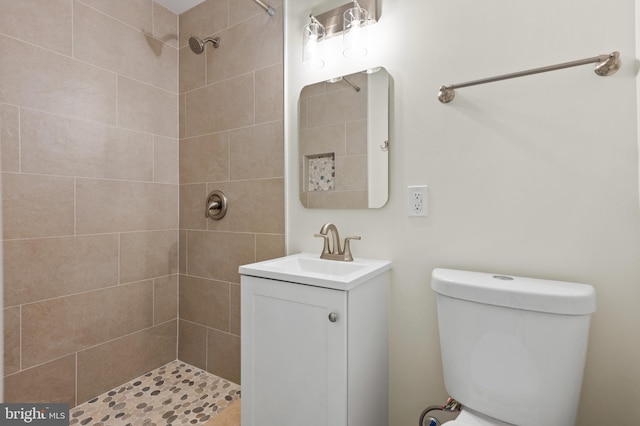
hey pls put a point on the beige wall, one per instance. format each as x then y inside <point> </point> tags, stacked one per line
<point>231,139</point>
<point>535,176</point>
<point>88,101</point>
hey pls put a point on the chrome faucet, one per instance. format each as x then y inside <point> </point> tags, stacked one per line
<point>331,249</point>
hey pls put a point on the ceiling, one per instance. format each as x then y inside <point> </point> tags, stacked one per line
<point>179,6</point>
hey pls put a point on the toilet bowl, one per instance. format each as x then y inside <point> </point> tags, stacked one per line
<point>513,348</point>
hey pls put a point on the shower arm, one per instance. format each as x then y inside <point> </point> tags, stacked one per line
<point>605,65</point>
<point>269,9</point>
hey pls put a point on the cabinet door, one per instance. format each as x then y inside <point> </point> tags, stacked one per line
<point>294,359</point>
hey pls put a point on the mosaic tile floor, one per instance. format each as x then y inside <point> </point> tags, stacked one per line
<point>174,394</point>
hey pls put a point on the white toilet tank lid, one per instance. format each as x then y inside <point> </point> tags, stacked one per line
<point>529,294</point>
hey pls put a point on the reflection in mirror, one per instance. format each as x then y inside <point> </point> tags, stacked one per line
<point>344,141</point>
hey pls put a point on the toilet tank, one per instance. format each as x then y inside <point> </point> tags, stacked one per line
<point>513,348</point>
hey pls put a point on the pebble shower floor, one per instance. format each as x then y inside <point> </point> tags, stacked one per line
<point>174,394</point>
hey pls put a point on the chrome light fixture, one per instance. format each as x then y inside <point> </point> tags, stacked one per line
<point>314,33</point>
<point>348,19</point>
<point>353,38</point>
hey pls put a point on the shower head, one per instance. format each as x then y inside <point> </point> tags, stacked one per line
<point>197,45</point>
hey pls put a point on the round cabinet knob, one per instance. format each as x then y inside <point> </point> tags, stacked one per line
<point>333,317</point>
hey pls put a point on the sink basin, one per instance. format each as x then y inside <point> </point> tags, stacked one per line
<point>308,268</point>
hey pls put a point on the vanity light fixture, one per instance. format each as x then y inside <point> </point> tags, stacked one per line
<point>348,20</point>
<point>353,38</point>
<point>314,33</point>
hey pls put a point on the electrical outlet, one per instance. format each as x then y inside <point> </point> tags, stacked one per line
<point>417,200</point>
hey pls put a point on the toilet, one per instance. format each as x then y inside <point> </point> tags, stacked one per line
<point>513,348</point>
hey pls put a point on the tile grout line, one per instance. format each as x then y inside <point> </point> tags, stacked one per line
<point>76,389</point>
<point>19,139</point>
<point>20,340</point>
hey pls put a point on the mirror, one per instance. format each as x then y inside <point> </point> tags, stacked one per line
<point>344,141</point>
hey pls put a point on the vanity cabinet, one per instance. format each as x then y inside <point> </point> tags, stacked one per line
<point>314,356</point>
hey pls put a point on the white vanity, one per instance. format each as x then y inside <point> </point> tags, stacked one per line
<point>314,342</point>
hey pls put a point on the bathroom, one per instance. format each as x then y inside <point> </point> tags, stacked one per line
<point>535,176</point>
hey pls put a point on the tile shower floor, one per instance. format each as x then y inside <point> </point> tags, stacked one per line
<point>174,394</point>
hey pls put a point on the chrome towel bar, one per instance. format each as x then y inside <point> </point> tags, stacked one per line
<point>605,65</point>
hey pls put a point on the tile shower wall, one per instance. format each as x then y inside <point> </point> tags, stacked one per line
<point>88,102</point>
<point>231,139</point>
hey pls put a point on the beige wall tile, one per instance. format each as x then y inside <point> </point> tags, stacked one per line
<point>53,382</point>
<point>43,80</point>
<point>239,10</point>
<point>257,151</point>
<point>223,355</point>
<point>323,140</point>
<point>337,107</point>
<point>165,160</point>
<point>136,13</point>
<point>303,114</point>
<point>356,138</point>
<point>36,206</point>
<point>269,246</point>
<point>192,206</point>
<point>145,255</point>
<point>58,327</point>
<point>192,69</point>
<point>351,173</point>
<point>260,41</point>
<point>203,20</point>
<point>106,366</point>
<point>205,302</point>
<point>192,344</point>
<point>11,342</point>
<point>182,114</point>
<point>222,106</point>
<point>234,309</point>
<point>204,158</point>
<point>115,206</point>
<point>39,269</point>
<point>254,206</point>
<point>316,89</point>
<point>146,108</point>
<point>165,25</point>
<point>165,299</point>
<point>123,49</point>
<point>270,94</point>
<point>206,259</point>
<point>46,23</point>
<point>56,145</point>
<point>182,260</point>
<point>9,138</point>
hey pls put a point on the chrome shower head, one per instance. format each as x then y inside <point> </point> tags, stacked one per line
<point>197,45</point>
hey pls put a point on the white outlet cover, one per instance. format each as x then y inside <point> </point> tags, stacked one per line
<point>417,200</point>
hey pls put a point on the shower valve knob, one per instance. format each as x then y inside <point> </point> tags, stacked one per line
<point>216,205</point>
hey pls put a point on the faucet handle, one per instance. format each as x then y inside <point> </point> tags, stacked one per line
<point>325,248</point>
<point>347,248</point>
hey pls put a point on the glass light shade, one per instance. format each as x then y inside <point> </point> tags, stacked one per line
<point>313,34</point>
<point>353,38</point>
